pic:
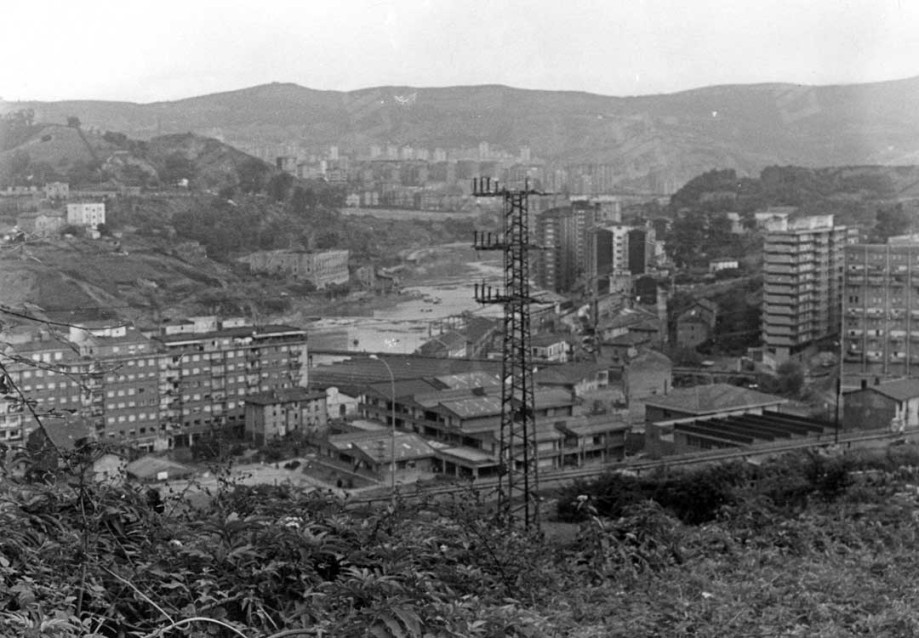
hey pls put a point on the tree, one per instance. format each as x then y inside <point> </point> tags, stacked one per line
<point>303,200</point>
<point>73,121</point>
<point>177,167</point>
<point>279,186</point>
<point>790,376</point>
<point>252,174</point>
<point>890,222</point>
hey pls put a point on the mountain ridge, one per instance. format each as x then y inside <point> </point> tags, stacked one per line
<point>671,136</point>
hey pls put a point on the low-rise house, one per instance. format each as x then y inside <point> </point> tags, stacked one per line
<point>891,405</point>
<point>371,453</point>
<point>590,439</point>
<point>285,412</point>
<point>57,190</point>
<point>42,223</point>
<point>645,376</point>
<point>155,468</point>
<point>578,379</point>
<point>723,263</point>
<point>450,344</point>
<point>696,325</point>
<point>550,347</point>
<point>630,321</point>
<point>342,401</point>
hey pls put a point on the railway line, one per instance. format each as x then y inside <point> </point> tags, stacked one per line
<point>549,481</point>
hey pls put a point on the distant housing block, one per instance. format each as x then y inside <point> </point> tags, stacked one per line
<point>322,269</point>
<point>86,214</point>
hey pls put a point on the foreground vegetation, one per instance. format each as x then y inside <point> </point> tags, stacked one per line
<point>808,545</point>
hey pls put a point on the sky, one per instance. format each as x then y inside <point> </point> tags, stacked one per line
<point>147,51</point>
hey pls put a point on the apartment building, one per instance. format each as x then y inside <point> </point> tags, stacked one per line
<point>206,377</point>
<point>156,393</point>
<point>880,311</point>
<point>322,269</point>
<point>607,253</point>
<point>567,235</point>
<point>802,282</point>
<point>86,214</point>
<point>276,414</point>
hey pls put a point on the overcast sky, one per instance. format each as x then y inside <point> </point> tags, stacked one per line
<point>144,51</point>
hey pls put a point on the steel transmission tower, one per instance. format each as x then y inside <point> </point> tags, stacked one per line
<point>518,478</point>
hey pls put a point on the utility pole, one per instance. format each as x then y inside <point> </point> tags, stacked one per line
<point>518,478</point>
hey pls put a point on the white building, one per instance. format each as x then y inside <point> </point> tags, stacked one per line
<point>86,214</point>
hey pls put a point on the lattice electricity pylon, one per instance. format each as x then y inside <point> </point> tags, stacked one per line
<point>518,474</point>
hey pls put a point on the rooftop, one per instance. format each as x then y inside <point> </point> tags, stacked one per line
<point>899,390</point>
<point>378,445</point>
<point>288,395</point>
<point>717,397</point>
<point>233,333</point>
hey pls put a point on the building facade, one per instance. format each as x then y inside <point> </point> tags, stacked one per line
<point>802,282</point>
<point>280,413</point>
<point>322,269</point>
<point>154,393</point>
<point>86,214</point>
<point>880,315</point>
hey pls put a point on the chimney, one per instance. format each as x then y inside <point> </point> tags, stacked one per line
<point>864,383</point>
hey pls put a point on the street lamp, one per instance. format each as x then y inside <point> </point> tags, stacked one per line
<point>392,439</point>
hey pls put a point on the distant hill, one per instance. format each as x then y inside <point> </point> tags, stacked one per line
<point>83,156</point>
<point>679,135</point>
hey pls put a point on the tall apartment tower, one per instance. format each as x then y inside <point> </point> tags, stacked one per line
<point>607,253</point>
<point>564,233</point>
<point>881,311</point>
<point>802,280</point>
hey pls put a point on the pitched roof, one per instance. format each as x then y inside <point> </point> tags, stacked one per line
<point>380,445</point>
<point>626,318</point>
<point>284,395</point>
<point>473,379</point>
<point>151,467</point>
<point>404,387</point>
<point>718,397</point>
<point>66,433</point>
<point>899,390</point>
<point>568,373</point>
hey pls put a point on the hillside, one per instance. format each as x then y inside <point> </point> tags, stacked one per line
<point>745,127</point>
<point>808,545</point>
<point>42,152</point>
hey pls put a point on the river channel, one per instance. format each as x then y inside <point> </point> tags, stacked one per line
<point>407,325</point>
